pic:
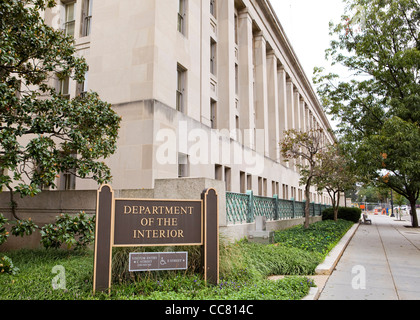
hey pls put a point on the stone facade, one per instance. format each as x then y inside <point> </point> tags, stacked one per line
<point>205,88</point>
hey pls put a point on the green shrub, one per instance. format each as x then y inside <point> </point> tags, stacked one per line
<point>77,231</point>
<point>6,266</point>
<point>255,261</point>
<point>34,282</point>
<point>344,213</point>
<point>23,227</point>
<point>4,234</point>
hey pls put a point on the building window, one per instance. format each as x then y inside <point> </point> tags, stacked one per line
<point>67,180</point>
<point>218,172</point>
<point>183,165</point>
<point>285,192</point>
<point>264,187</point>
<point>86,17</point>
<point>213,114</point>
<point>213,8</point>
<point>242,182</point>
<point>81,89</point>
<point>69,19</point>
<point>228,180</point>
<point>182,10</point>
<point>64,89</point>
<point>236,79</point>
<point>180,89</point>
<point>236,26</point>
<point>213,66</point>
<point>249,182</point>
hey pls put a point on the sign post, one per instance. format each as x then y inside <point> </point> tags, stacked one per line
<point>154,222</point>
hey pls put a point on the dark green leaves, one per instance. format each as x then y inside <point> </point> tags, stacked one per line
<point>379,106</point>
<point>42,133</point>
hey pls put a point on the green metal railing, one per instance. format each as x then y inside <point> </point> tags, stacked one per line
<point>243,208</point>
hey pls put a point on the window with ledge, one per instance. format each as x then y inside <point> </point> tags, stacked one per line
<point>82,87</point>
<point>213,65</point>
<point>64,89</point>
<point>67,179</point>
<point>86,17</point>
<point>180,88</point>
<point>228,179</point>
<point>69,19</point>
<point>182,11</point>
<point>213,8</point>
<point>183,165</point>
<point>213,114</point>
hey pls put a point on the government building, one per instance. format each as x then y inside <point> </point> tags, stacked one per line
<point>205,89</point>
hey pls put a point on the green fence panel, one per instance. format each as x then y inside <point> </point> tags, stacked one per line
<point>236,207</point>
<point>243,208</point>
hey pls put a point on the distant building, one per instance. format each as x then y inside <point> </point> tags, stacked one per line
<point>205,88</point>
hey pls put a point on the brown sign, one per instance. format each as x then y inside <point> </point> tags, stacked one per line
<point>157,222</point>
<point>152,222</point>
<point>154,261</point>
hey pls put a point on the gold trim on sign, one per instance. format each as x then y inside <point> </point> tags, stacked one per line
<point>95,258</point>
<point>111,238</point>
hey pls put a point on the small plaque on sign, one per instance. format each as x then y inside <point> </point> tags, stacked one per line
<point>154,261</point>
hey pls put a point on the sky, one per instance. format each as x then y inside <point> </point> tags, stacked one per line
<point>306,23</point>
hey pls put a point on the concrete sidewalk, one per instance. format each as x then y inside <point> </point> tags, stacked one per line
<point>381,262</point>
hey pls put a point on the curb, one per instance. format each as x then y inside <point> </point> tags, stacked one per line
<point>313,294</point>
<point>331,260</point>
<point>327,267</point>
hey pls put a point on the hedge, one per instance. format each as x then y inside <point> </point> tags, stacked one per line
<point>345,213</point>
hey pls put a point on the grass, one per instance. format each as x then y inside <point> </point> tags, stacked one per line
<point>244,268</point>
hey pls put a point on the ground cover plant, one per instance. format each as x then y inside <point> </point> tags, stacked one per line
<point>320,237</point>
<point>57,274</point>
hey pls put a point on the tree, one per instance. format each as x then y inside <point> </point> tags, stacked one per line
<point>372,193</point>
<point>379,107</point>
<point>399,200</point>
<point>334,175</point>
<point>304,147</point>
<point>43,133</point>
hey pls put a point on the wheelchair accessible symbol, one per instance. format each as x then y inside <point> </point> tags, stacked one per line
<point>162,261</point>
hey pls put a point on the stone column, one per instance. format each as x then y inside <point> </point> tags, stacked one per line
<point>261,105</point>
<point>290,112</point>
<point>282,96</point>
<point>307,117</point>
<point>303,115</point>
<point>290,105</point>
<point>298,125</point>
<point>246,78</point>
<point>273,107</point>
<point>296,103</point>
<point>226,66</point>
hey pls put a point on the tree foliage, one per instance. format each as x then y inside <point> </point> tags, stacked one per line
<point>334,174</point>
<point>379,106</point>
<point>42,132</point>
<point>302,148</point>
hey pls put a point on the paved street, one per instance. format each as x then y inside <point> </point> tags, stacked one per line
<point>381,262</point>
